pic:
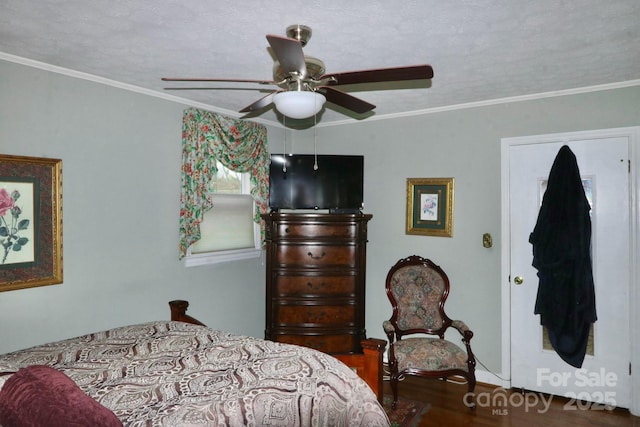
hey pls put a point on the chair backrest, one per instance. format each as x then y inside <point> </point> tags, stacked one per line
<point>417,289</point>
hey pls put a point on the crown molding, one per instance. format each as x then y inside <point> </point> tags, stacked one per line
<point>173,98</point>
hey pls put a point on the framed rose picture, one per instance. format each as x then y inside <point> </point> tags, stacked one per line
<point>30,222</point>
<point>430,206</point>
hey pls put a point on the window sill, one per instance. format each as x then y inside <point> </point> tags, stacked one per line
<point>210,258</point>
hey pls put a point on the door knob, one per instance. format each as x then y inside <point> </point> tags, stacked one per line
<point>518,280</point>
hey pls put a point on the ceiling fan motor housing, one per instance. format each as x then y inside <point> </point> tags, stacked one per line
<point>315,69</point>
<point>302,33</point>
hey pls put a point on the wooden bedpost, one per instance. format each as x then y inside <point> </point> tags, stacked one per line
<point>179,312</point>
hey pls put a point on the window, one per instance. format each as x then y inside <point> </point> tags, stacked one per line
<point>228,232</point>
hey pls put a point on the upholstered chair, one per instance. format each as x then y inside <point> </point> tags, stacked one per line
<point>417,289</point>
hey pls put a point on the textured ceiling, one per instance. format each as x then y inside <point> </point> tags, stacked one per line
<point>480,50</point>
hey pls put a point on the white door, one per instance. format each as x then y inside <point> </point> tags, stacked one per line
<point>604,376</point>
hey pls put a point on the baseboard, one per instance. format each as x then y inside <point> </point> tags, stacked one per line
<point>490,378</point>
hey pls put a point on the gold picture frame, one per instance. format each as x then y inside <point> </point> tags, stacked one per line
<point>30,222</point>
<point>430,206</point>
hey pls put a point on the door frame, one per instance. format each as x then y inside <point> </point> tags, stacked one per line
<point>633,133</point>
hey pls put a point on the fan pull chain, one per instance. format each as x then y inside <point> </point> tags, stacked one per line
<point>284,148</point>
<point>315,140</point>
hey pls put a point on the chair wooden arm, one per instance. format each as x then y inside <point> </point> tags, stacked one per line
<point>463,329</point>
<point>388,328</point>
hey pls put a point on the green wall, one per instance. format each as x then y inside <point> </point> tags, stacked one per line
<point>463,144</point>
<point>121,162</point>
<point>121,182</point>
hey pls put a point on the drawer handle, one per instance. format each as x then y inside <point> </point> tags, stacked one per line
<point>316,257</point>
<point>315,317</point>
<point>313,286</point>
<point>286,230</point>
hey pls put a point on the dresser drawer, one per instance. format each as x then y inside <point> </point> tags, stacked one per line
<point>293,230</point>
<point>341,343</point>
<point>316,255</point>
<point>320,286</point>
<point>300,315</point>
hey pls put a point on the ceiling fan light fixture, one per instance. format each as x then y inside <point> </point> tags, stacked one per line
<point>299,104</point>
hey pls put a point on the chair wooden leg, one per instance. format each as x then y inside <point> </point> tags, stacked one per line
<point>469,398</point>
<point>393,380</point>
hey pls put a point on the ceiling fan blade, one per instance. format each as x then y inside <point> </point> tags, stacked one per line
<point>181,79</point>
<point>260,103</point>
<point>289,54</point>
<point>345,100</point>
<point>415,72</point>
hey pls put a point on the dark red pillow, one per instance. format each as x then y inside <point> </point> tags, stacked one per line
<point>43,396</point>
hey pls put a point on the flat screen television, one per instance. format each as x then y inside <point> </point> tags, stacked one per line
<point>336,185</point>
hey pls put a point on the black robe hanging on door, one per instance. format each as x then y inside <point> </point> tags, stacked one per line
<point>561,243</point>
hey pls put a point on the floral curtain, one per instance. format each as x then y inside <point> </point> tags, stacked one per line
<point>239,145</point>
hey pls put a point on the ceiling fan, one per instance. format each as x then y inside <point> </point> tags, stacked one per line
<point>303,85</point>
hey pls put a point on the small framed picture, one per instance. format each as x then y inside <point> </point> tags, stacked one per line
<point>30,222</point>
<point>430,206</point>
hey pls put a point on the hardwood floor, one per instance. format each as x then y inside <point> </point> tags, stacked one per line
<point>496,407</point>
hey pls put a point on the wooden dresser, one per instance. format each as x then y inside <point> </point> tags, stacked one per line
<point>315,280</point>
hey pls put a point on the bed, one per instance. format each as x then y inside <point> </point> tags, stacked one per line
<point>367,364</point>
<point>181,373</point>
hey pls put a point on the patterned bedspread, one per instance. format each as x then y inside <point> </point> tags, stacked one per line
<point>178,374</point>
